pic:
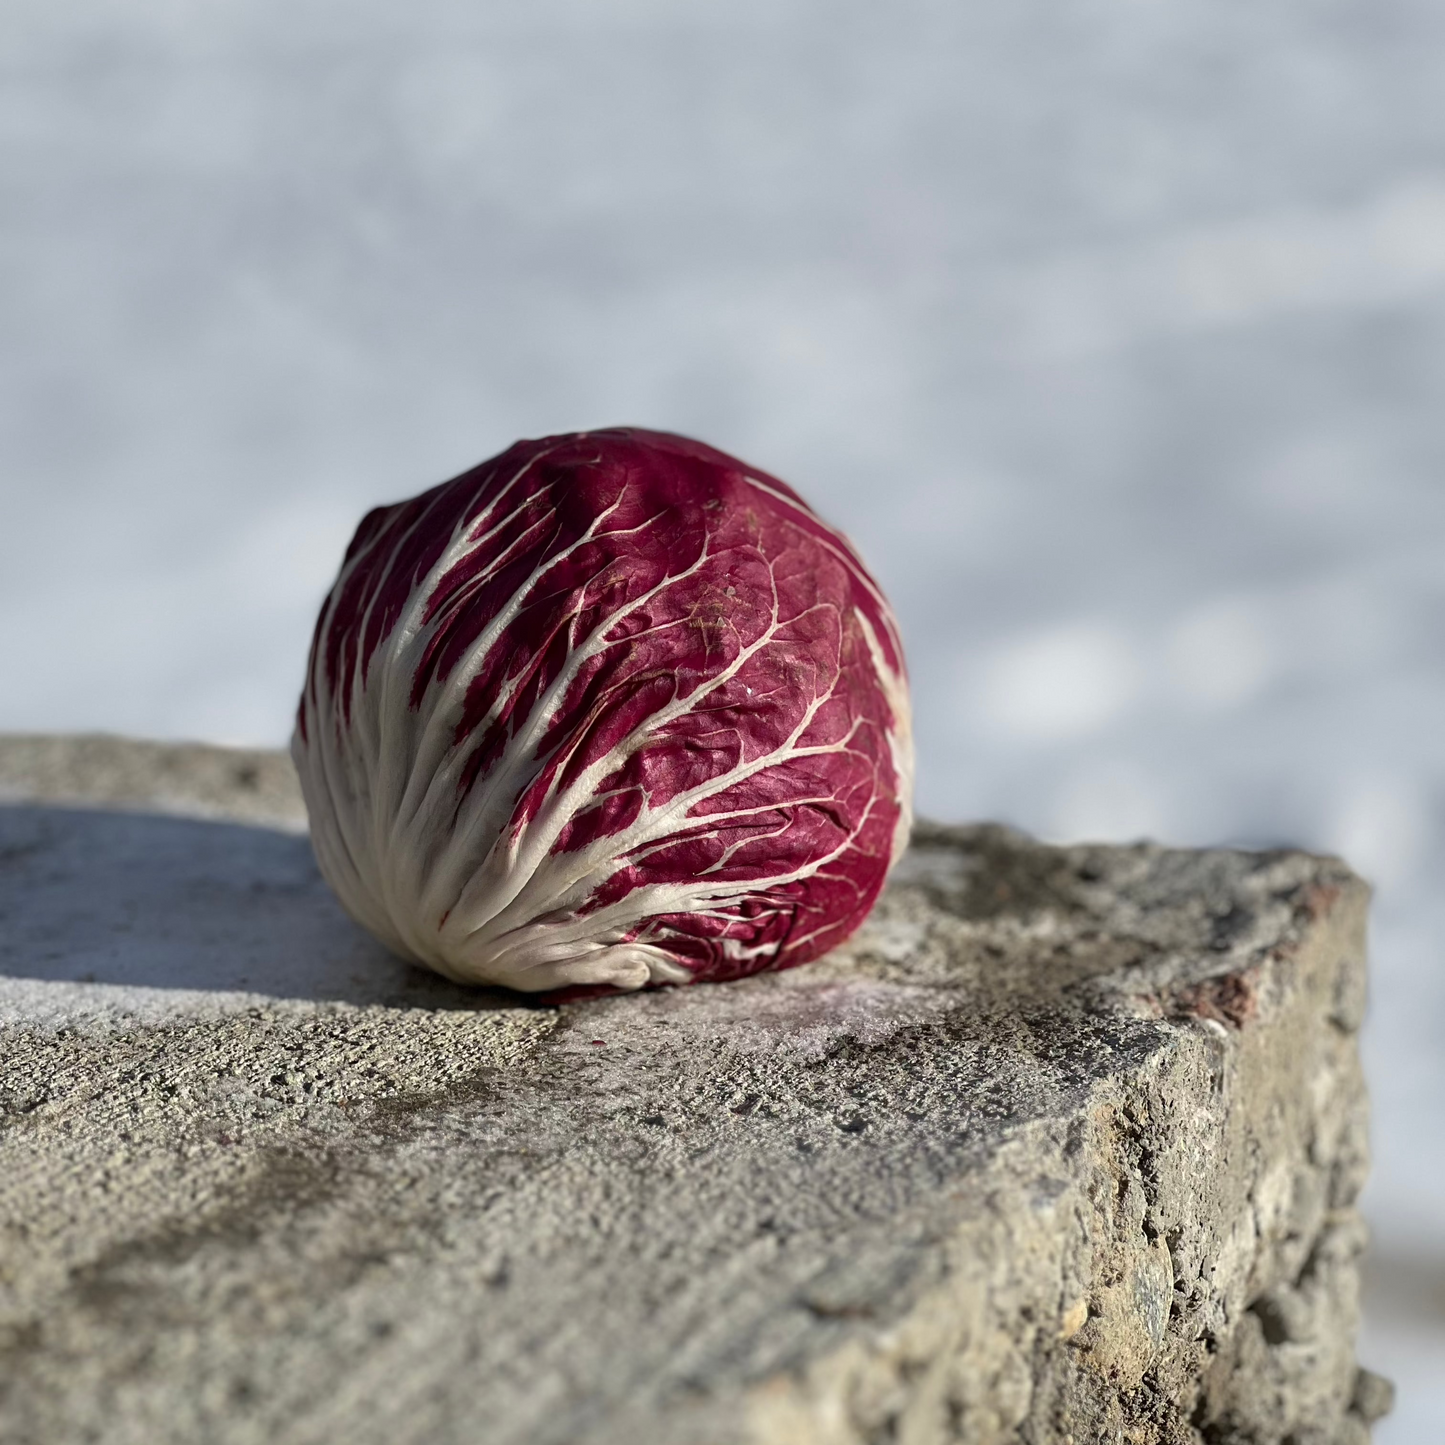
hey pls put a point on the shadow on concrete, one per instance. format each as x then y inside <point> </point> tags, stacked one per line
<point>140,900</point>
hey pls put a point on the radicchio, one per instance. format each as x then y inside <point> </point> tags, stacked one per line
<point>611,709</point>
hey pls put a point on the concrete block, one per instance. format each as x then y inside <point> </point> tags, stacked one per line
<point>1064,1147</point>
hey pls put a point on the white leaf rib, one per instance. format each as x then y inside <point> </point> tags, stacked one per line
<point>439,762</point>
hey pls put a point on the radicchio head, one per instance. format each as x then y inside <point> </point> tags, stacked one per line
<point>611,709</point>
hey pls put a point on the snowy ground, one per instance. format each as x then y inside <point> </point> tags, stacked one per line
<point>1113,332</point>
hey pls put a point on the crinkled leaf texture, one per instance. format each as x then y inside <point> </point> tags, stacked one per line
<point>611,709</point>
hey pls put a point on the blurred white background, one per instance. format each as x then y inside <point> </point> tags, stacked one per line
<point>1113,332</point>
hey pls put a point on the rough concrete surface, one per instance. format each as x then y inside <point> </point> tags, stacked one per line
<point>1064,1147</point>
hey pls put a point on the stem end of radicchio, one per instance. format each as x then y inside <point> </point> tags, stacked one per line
<point>612,709</point>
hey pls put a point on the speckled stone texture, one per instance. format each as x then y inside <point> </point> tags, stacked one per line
<point>1064,1147</point>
